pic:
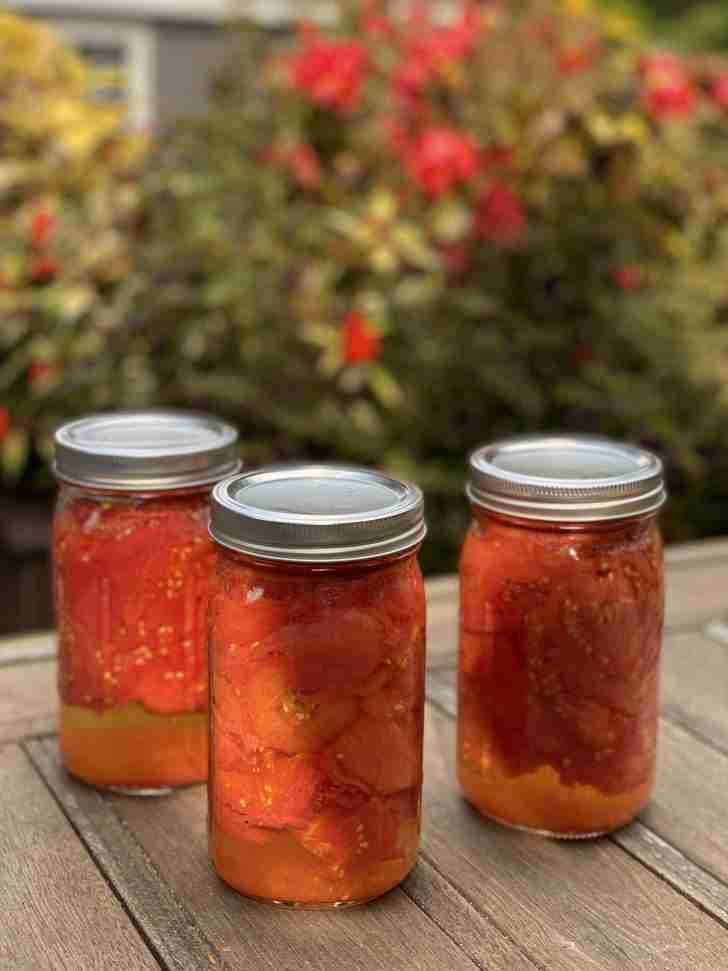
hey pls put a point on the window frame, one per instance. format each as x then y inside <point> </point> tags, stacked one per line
<point>138,44</point>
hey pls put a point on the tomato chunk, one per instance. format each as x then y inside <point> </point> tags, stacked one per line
<point>273,790</point>
<point>284,718</point>
<point>369,833</point>
<point>380,754</point>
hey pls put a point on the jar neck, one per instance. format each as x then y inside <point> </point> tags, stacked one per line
<point>122,495</point>
<point>351,567</point>
<point>484,516</point>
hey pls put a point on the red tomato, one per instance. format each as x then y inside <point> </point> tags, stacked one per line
<point>368,834</point>
<point>272,790</point>
<point>285,719</point>
<point>380,754</point>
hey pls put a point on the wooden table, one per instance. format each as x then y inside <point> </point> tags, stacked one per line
<point>89,881</point>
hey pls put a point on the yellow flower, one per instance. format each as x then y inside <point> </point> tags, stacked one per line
<point>578,7</point>
<point>619,25</point>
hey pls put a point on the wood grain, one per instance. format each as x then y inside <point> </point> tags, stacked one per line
<point>168,928</point>
<point>28,702</point>
<point>481,940</point>
<point>688,808</point>
<point>696,591</point>
<point>28,647</point>
<point>680,837</point>
<point>695,686</point>
<point>570,905</point>
<point>57,910</point>
<point>390,934</point>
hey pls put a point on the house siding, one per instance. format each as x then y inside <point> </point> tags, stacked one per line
<point>188,56</point>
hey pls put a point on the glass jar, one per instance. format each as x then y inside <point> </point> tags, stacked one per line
<point>561,618</point>
<point>132,562</point>
<point>317,660</point>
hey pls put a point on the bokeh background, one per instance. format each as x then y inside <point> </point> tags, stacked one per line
<point>377,232</point>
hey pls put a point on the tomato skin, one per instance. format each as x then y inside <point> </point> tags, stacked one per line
<point>132,576</point>
<point>560,636</point>
<point>318,696</point>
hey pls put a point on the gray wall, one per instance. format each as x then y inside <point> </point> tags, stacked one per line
<point>187,58</point>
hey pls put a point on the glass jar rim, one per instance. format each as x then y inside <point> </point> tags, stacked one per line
<point>316,513</point>
<point>566,478</point>
<point>156,450</point>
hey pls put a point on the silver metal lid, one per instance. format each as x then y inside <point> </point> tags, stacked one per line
<point>150,451</point>
<point>317,514</point>
<point>566,479</point>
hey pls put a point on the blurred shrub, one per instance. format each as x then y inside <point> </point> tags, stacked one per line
<point>394,240</point>
<point>68,204</point>
<point>690,24</point>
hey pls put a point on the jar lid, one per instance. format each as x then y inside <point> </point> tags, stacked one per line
<point>151,451</point>
<point>566,479</point>
<point>317,514</point>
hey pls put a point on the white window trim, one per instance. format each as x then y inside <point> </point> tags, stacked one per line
<point>139,44</point>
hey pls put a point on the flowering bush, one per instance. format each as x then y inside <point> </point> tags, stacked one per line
<point>67,207</point>
<point>397,237</point>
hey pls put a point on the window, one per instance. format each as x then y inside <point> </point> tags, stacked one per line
<point>126,55</point>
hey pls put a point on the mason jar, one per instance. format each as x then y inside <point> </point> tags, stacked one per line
<point>561,617</point>
<point>132,563</point>
<point>317,659</point>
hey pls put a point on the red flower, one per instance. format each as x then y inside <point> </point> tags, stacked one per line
<point>456,258</point>
<point>576,60</point>
<point>628,277</point>
<point>719,90</point>
<point>668,90</point>
<point>500,216</point>
<point>331,73</point>
<point>440,158</point>
<point>375,23</point>
<point>305,166</point>
<point>360,341</point>
<point>42,227</point>
<point>39,371</point>
<point>583,354</point>
<point>300,160</point>
<point>43,269</point>
<point>431,49</point>
<point>498,155</point>
<point>4,422</point>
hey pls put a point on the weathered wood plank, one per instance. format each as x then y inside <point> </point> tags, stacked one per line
<point>155,853</point>
<point>28,702</point>
<point>695,686</point>
<point>688,808</point>
<point>57,910</point>
<point>671,865</point>
<point>27,647</point>
<point>173,832</point>
<point>481,940</point>
<point>164,921</point>
<point>682,833</point>
<point>696,592</point>
<point>570,905</point>
<point>681,837</point>
<point>702,549</point>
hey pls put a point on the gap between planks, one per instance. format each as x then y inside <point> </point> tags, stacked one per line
<point>173,936</point>
<point>665,861</point>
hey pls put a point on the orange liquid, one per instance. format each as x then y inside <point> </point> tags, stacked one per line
<point>539,801</point>
<point>129,747</point>
<point>282,871</point>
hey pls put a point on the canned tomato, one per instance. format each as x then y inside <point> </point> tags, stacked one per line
<point>132,564</point>
<point>317,662</point>
<point>560,633</point>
